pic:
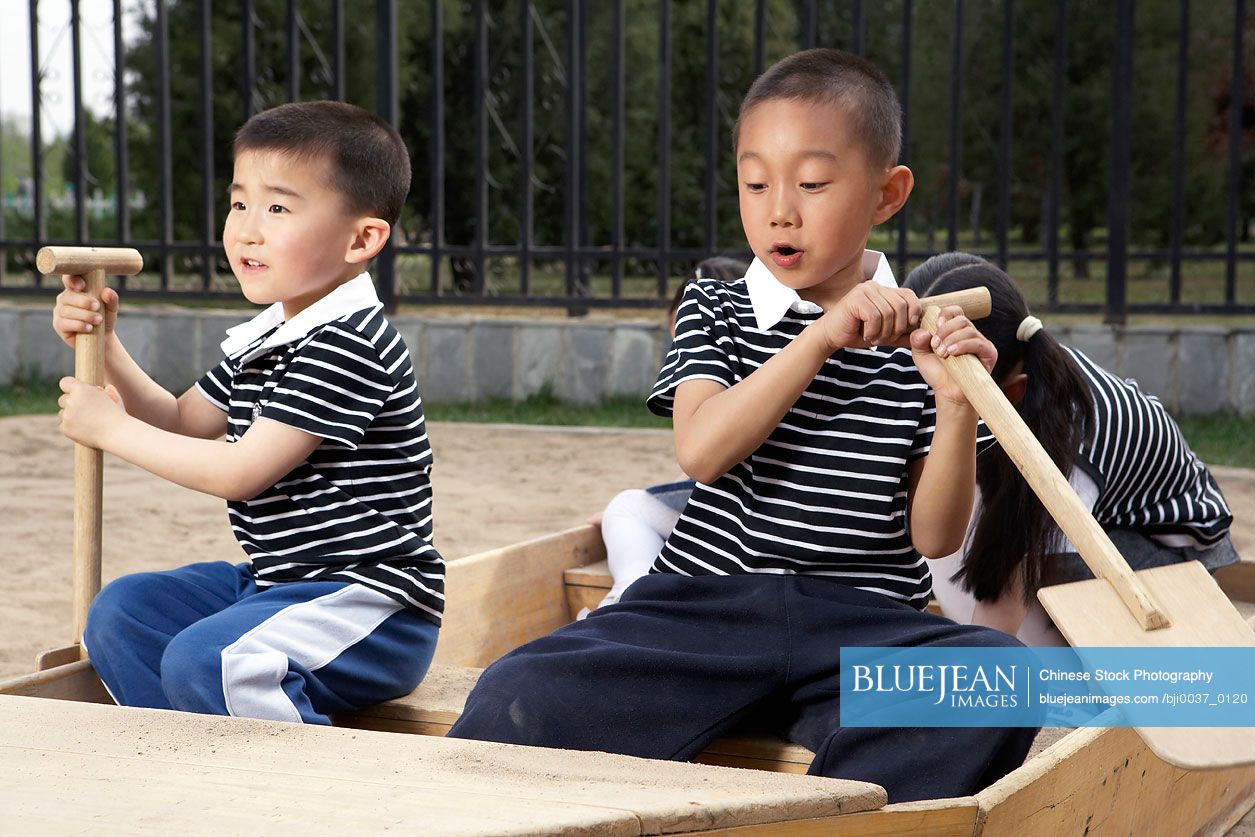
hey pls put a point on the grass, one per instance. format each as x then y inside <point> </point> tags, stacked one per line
<point>1223,439</point>
<point>29,398</point>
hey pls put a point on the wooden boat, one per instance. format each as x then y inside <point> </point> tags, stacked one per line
<point>74,762</point>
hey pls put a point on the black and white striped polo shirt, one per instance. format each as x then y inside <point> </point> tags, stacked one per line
<point>826,493</point>
<point>1148,478</point>
<point>359,508</point>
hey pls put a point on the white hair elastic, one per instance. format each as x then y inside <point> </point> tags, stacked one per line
<point>1028,327</point>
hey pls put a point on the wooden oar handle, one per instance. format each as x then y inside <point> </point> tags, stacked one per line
<point>1051,487</point>
<point>93,264</point>
<point>78,261</point>
<point>974,302</point>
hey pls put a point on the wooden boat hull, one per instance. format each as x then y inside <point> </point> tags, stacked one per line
<point>1093,780</point>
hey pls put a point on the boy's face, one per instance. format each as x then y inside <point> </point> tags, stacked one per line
<point>808,196</point>
<point>287,234</point>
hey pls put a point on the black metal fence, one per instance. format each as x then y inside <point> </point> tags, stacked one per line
<point>576,154</point>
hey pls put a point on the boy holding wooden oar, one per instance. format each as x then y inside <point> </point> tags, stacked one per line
<point>325,464</point>
<point>829,461</point>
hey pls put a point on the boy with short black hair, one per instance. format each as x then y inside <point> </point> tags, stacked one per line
<point>814,439</point>
<point>325,463</point>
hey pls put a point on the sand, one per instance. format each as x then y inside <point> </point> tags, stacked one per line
<point>494,485</point>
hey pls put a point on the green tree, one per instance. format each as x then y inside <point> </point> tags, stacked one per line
<point>101,170</point>
<point>15,148</point>
<point>228,107</point>
<point>1084,177</point>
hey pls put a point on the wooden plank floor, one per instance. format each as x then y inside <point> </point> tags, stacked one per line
<point>76,767</point>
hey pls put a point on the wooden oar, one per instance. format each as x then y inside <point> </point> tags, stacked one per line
<point>975,302</point>
<point>93,264</point>
<point>1177,605</point>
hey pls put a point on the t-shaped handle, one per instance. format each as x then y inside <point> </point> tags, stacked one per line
<point>93,264</point>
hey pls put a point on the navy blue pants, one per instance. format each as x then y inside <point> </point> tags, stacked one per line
<point>204,638</point>
<point>679,661</point>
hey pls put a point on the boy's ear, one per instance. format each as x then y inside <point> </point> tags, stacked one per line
<point>369,237</point>
<point>894,191</point>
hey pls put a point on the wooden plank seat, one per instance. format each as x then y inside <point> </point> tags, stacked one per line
<point>586,586</point>
<point>438,701</point>
<point>69,767</point>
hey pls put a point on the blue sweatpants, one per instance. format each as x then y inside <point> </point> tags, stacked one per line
<point>679,661</point>
<point>204,638</point>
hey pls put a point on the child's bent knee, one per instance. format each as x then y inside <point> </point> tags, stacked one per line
<point>509,707</point>
<point>124,591</point>
<point>117,606</point>
<point>191,676</point>
<point>629,501</point>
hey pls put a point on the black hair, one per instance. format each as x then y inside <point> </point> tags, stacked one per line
<point>924,275</point>
<point>831,76</point>
<point>723,268</point>
<point>370,166</point>
<point>1015,533</point>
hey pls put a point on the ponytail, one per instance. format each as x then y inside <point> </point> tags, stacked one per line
<point>1015,534</point>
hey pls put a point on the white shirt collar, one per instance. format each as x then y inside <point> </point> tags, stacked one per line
<point>771,298</point>
<point>353,295</point>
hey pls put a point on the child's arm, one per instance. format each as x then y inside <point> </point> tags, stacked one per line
<point>717,426</point>
<point>943,483</point>
<point>75,313</point>
<point>232,471</point>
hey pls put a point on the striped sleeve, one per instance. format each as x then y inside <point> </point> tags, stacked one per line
<point>923,441</point>
<point>215,385</point>
<point>696,353</point>
<point>333,387</point>
<point>1148,478</point>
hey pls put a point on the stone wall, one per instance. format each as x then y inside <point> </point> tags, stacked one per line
<point>1193,370</point>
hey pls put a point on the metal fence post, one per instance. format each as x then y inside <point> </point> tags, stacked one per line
<point>1121,121</point>
<point>37,140</point>
<point>386,105</point>
<point>120,153</point>
<point>1236,105</point>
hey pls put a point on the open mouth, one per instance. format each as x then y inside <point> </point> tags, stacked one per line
<point>785,255</point>
<point>251,264</point>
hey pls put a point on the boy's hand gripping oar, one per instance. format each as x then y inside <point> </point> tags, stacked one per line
<point>93,264</point>
<point>974,302</point>
<point>1176,605</point>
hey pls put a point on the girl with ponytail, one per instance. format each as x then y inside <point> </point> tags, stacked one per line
<point>1120,449</point>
